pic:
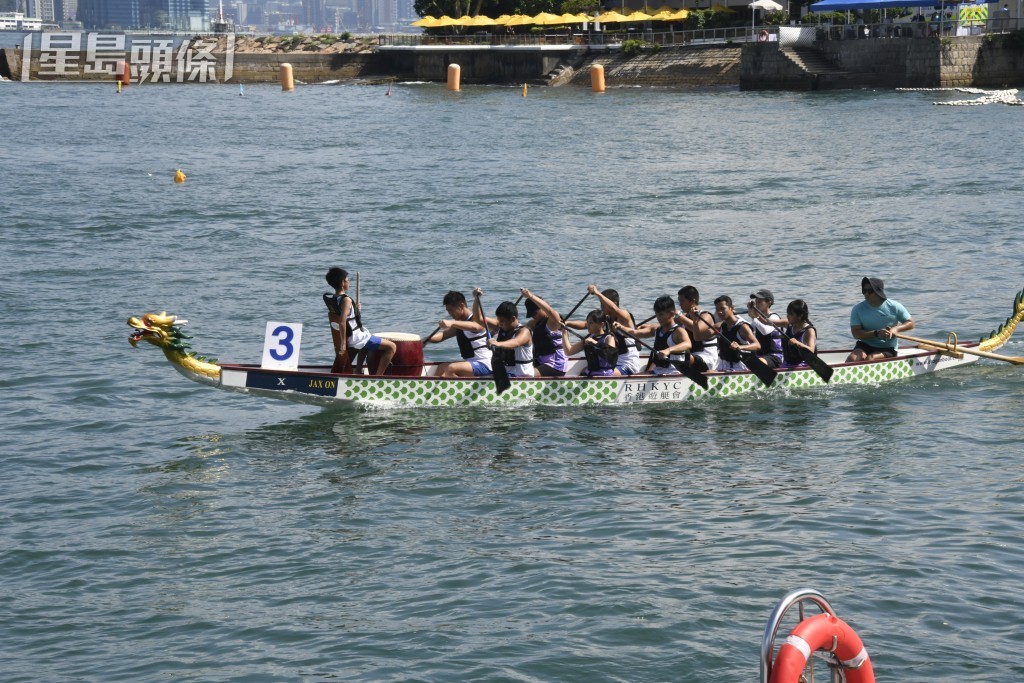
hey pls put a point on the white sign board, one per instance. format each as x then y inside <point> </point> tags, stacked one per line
<point>281,346</point>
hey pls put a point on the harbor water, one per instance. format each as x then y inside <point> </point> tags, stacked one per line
<point>152,529</point>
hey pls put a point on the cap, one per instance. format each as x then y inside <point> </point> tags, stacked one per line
<point>764,294</point>
<point>876,285</point>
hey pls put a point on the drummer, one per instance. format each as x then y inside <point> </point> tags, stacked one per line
<point>470,334</point>
<point>347,329</point>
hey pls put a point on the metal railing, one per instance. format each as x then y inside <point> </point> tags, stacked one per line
<point>733,34</point>
<point>946,26</point>
<point>797,598</point>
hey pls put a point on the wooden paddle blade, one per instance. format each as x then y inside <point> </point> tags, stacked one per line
<point>691,373</point>
<point>820,367</point>
<point>759,368</point>
<point>342,364</point>
<point>501,381</point>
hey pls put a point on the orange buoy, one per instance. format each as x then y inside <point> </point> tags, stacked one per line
<point>454,77</point>
<point>828,633</point>
<point>287,80</point>
<point>597,78</point>
<point>124,72</point>
<point>179,176</point>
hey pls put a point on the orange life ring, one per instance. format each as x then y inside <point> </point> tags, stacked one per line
<point>762,37</point>
<point>816,633</point>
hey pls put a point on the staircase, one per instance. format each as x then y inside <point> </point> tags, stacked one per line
<point>812,61</point>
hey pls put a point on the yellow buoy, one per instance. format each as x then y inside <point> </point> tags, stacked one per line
<point>287,80</point>
<point>524,89</point>
<point>179,176</point>
<point>597,78</point>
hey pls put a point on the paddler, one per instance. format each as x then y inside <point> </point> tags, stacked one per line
<point>670,338</point>
<point>875,321</point>
<point>629,349</point>
<point>512,342</point>
<point>736,337</point>
<point>546,325</point>
<point>347,329</point>
<point>700,325</point>
<point>598,346</point>
<point>469,332</point>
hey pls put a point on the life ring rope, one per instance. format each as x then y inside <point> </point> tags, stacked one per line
<point>762,37</point>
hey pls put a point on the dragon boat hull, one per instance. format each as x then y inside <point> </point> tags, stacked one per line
<point>317,385</point>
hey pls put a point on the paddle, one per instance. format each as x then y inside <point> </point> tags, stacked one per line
<point>750,359</point>
<point>574,308</point>
<point>1016,360</point>
<point>691,373</point>
<point>813,360</point>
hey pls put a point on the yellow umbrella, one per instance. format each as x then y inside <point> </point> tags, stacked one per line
<point>611,17</point>
<point>638,16</point>
<point>425,22</point>
<point>502,20</point>
<point>445,21</point>
<point>464,20</point>
<point>481,20</point>
<point>574,18</point>
<point>519,20</point>
<point>671,15</point>
<point>547,19</point>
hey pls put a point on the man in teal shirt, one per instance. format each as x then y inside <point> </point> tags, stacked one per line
<point>875,321</point>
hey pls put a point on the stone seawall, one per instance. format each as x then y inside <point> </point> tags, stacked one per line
<point>967,61</point>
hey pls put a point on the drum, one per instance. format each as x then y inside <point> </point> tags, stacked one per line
<point>408,360</point>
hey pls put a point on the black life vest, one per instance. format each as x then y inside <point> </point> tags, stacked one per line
<point>335,304</point>
<point>661,342</point>
<point>508,356</point>
<point>621,342</point>
<point>730,334</point>
<point>466,347</point>
<point>597,355</point>
<point>771,343</point>
<point>791,354</point>
<point>699,346</point>
<point>543,344</point>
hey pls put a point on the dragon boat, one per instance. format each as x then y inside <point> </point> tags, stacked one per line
<point>420,387</point>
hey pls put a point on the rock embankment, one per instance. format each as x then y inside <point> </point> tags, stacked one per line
<point>325,43</point>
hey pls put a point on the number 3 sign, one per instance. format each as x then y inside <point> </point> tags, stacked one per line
<point>281,346</point>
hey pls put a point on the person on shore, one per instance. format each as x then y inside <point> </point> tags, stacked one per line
<point>766,327</point>
<point>347,329</point>
<point>700,325</point>
<point>736,337</point>
<point>546,326</point>
<point>875,322</point>
<point>468,329</point>
<point>512,343</point>
<point>671,341</point>
<point>599,347</point>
